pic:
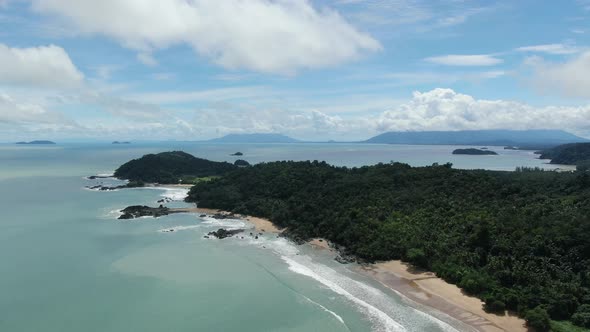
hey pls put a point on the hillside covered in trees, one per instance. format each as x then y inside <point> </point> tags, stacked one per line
<point>568,154</point>
<point>518,240</point>
<point>171,167</point>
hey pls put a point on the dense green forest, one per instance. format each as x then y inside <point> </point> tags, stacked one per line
<point>569,154</point>
<point>518,240</point>
<point>171,167</point>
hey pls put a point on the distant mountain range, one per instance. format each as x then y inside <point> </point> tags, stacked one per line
<point>534,139</point>
<point>254,138</point>
<point>518,138</point>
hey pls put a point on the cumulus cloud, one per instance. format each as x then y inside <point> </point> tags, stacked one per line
<point>277,36</point>
<point>445,109</point>
<point>465,60</point>
<point>47,66</point>
<point>570,78</point>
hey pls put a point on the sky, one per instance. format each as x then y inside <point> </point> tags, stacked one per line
<point>310,69</point>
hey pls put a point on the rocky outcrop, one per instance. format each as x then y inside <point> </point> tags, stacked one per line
<point>136,211</point>
<point>223,233</point>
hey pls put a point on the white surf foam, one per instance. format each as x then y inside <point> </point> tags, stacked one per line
<point>172,193</point>
<point>328,311</point>
<point>381,321</point>
<point>377,306</point>
<point>111,174</point>
<point>224,223</point>
<point>175,194</point>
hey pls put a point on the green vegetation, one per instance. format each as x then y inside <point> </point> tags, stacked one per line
<point>171,167</point>
<point>568,154</point>
<point>188,179</point>
<point>518,240</point>
<point>474,152</point>
<point>565,326</point>
<point>241,163</point>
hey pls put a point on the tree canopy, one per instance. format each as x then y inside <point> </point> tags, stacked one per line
<point>518,240</point>
<point>170,167</point>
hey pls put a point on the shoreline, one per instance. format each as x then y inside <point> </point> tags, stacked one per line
<point>426,289</point>
<point>421,287</point>
<point>431,292</point>
<point>260,224</point>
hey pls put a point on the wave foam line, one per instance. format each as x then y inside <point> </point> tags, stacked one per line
<point>387,323</point>
<point>339,318</point>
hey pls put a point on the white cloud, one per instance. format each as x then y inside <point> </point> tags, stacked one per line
<point>550,49</point>
<point>211,95</point>
<point>465,60</point>
<point>17,117</point>
<point>570,78</point>
<point>147,59</point>
<point>269,36</point>
<point>444,109</point>
<point>48,66</point>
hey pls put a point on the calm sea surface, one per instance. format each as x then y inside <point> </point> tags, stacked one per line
<point>67,264</point>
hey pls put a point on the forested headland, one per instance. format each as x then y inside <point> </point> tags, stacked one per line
<point>569,154</point>
<point>518,240</point>
<point>171,168</point>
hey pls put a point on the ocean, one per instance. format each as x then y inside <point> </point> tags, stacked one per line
<point>67,264</point>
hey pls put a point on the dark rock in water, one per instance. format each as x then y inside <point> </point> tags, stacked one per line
<point>202,216</point>
<point>133,184</point>
<point>136,211</point>
<point>223,233</point>
<point>206,236</point>
<point>94,177</point>
<point>256,237</point>
<point>237,154</point>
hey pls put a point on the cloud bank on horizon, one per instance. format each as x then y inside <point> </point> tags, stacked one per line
<point>338,69</point>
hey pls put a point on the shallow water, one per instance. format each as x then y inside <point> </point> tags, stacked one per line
<point>67,264</point>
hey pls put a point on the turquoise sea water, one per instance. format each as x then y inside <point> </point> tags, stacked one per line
<point>67,264</point>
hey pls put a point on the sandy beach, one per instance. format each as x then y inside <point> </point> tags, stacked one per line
<point>424,288</point>
<point>427,289</point>
<point>319,243</point>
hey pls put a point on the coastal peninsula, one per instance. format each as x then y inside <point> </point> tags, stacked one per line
<point>474,236</point>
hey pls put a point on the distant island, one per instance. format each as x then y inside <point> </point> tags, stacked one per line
<point>237,154</point>
<point>36,142</point>
<point>254,138</point>
<point>480,137</point>
<point>171,168</point>
<point>474,152</point>
<point>117,142</point>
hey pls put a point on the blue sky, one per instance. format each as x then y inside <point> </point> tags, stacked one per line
<point>338,69</point>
